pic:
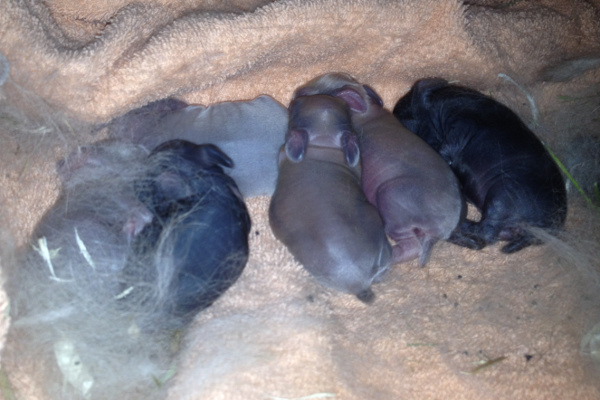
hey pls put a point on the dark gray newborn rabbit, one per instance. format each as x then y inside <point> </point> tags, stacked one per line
<point>84,240</point>
<point>70,314</point>
<point>503,168</point>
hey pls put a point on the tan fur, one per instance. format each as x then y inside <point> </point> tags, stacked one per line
<point>146,53</point>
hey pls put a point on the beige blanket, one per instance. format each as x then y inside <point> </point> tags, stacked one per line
<point>470,325</point>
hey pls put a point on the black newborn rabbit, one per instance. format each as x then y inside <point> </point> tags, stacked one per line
<point>200,226</point>
<point>503,168</point>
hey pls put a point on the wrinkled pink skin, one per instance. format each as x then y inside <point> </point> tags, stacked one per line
<point>318,209</point>
<point>413,188</point>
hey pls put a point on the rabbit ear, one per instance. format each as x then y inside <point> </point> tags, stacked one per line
<point>351,149</point>
<point>295,145</point>
<point>423,88</point>
<point>373,95</point>
<point>355,100</point>
<point>212,155</point>
<point>205,155</point>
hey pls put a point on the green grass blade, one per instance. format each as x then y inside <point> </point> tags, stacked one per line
<point>570,177</point>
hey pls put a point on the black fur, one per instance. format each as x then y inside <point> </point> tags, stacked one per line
<point>200,220</point>
<point>503,168</point>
